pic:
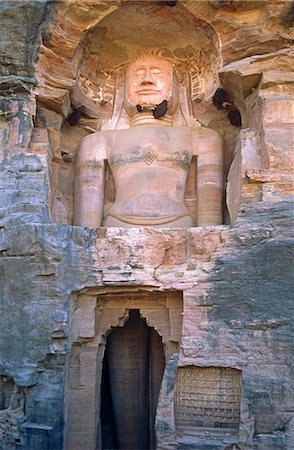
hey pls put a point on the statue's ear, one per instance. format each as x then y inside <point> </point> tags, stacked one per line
<point>118,100</point>
<point>160,110</point>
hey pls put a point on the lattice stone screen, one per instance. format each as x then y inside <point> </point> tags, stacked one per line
<point>207,398</point>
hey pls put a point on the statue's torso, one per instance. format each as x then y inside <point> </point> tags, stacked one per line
<point>149,165</point>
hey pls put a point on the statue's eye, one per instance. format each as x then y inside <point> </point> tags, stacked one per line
<point>140,72</point>
<point>155,70</point>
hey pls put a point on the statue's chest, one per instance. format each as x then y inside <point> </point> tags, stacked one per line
<point>150,148</point>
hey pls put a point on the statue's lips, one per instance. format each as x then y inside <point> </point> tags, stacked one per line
<point>147,91</point>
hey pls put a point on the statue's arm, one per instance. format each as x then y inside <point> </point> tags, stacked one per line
<point>90,181</point>
<point>209,151</point>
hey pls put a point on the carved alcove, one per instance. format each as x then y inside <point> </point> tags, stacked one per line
<point>100,58</point>
<point>208,399</point>
<point>200,403</point>
<point>97,320</point>
<point>253,71</point>
<point>12,413</point>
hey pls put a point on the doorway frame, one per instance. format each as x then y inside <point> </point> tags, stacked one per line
<point>93,315</point>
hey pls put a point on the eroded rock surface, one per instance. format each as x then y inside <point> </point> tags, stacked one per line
<point>63,288</point>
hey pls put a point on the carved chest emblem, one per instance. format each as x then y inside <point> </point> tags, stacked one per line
<point>149,155</point>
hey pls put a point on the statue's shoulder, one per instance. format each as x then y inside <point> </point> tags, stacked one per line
<point>93,146</point>
<point>97,136</point>
<point>90,138</point>
<point>98,139</point>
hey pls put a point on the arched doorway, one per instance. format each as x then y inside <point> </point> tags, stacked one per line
<point>133,367</point>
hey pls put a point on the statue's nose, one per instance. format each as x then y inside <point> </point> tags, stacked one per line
<point>147,83</point>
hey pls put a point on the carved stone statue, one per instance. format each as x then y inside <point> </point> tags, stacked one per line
<point>150,160</point>
<point>11,418</point>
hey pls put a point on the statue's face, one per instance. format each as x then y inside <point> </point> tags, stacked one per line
<point>148,81</point>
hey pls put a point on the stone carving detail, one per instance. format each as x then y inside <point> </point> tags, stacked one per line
<point>150,160</point>
<point>107,46</point>
<point>207,398</point>
<point>11,418</point>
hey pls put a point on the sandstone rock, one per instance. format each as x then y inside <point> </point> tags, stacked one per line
<point>63,288</point>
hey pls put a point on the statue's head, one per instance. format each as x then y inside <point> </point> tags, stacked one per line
<point>144,84</point>
<point>149,81</point>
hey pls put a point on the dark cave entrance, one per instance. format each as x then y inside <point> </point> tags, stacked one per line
<point>133,367</point>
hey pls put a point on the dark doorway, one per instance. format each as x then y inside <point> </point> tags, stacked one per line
<point>132,372</point>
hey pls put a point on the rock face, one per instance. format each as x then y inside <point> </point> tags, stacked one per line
<point>219,297</point>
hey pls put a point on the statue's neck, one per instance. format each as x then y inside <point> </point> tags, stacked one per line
<point>146,118</point>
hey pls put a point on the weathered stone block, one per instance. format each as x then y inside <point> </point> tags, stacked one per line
<point>83,319</point>
<point>278,110</point>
